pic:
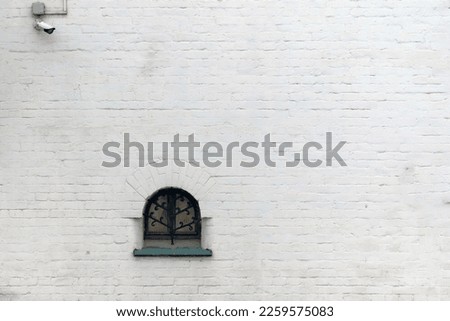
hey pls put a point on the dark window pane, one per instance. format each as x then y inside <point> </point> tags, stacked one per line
<point>172,213</point>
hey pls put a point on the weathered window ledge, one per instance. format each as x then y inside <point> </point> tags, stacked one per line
<point>180,251</point>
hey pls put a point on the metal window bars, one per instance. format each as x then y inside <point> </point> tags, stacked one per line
<point>172,213</point>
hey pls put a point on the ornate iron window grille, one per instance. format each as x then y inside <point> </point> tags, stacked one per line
<point>172,213</point>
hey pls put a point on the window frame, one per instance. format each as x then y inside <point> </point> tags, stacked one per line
<point>173,194</point>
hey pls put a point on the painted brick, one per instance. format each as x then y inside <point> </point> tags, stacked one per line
<point>375,73</point>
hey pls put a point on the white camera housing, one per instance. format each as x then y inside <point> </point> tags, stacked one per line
<point>41,25</point>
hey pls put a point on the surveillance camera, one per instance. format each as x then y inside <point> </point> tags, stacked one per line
<point>41,25</point>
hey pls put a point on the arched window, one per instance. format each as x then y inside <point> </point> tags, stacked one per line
<point>172,214</point>
<point>172,225</point>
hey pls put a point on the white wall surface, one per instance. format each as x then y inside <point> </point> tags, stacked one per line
<point>374,73</point>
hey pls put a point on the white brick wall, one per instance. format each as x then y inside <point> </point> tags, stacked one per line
<point>375,73</point>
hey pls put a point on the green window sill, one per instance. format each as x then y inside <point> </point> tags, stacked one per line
<point>180,251</point>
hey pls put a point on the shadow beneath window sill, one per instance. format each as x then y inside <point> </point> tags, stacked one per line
<point>180,251</point>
